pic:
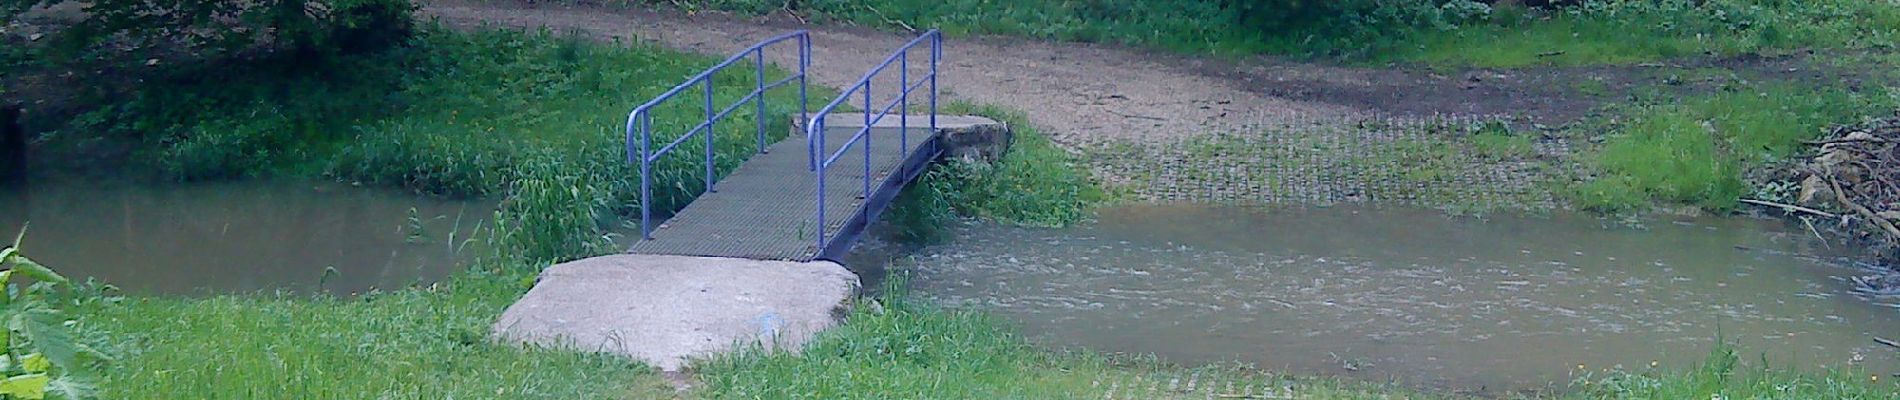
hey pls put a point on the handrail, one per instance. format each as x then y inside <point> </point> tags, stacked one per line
<point>640,120</point>
<point>815,126</point>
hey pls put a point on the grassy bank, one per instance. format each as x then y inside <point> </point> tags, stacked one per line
<point>1698,151</point>
<point>1454,32</point>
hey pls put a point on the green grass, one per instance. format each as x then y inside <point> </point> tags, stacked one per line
<point>1695,152</point>
<point>1605,32</point>
<point>1723,376</point>
<point>429,343</point>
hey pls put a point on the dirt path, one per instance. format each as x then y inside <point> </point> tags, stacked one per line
<point>1169,127</point>
<point>1081,94</point>
<point>1173,127</point>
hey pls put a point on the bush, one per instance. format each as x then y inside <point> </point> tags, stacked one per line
<point>217,29</point>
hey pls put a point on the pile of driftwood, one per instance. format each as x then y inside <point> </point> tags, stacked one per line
<point>1857,173</point>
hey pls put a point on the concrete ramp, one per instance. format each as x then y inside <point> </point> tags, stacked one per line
<point>663,310</point>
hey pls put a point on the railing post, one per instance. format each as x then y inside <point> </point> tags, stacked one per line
<point>804,104</point>
<point>868,133</point>
<point>903,106</point>
<point>759,99</point>
<point>817,128</point>
<point>646,174</point>
<point>709,132</point>
<point>936,53</point>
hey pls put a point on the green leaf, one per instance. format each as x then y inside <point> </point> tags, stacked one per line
<point>70,388</point>
<point>30,386</point>
<point>45,331</point>
<point>35,363</point>
<point>38,272</point>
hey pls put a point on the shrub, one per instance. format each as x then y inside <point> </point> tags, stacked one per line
<point>217,29</point>
<point>43,358</point>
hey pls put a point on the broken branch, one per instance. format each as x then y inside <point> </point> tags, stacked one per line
<point>1790,207</point>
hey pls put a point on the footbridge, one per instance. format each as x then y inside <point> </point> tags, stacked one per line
<point>809,196</point>
<point>751,258</point>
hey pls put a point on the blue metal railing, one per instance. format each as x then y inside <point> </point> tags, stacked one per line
<point>640,121</point>
<point>819,154</point>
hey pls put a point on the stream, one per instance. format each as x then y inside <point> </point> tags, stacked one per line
<point>214,238</point>
<point>1493,304</point>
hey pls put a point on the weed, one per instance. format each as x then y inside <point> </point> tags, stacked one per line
<point>1448,32</point>
<point>43,356</point>
<point>1722,376</point>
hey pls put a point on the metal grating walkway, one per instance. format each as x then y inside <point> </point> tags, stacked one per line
<point>765,209</point>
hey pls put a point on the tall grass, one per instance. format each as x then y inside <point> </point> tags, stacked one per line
<point>1034,184</point>
<point>1723,376</point>
<point>1695,152</point>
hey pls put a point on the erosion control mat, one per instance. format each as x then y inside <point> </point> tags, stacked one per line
<point>1856,174</point>
<point>1458,164</point>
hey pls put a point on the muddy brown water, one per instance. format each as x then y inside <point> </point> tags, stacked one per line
<point>1492,304</point>
<point>198,239</point>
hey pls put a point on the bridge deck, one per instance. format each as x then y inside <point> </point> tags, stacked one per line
<point>765,210</point>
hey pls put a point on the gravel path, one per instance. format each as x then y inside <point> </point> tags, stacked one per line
<point>1081,94</point>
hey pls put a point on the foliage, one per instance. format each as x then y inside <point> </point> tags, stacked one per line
<point>1628,31</point>
<point>1457,32</point>
<point>216,29</point>
<point>44,358</point>
<point>1695,152</point>
<point>551,214</point>
<point>1723,376</point>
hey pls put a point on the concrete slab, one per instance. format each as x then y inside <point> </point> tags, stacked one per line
<point>663,310</point>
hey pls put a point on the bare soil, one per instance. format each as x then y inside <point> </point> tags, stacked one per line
<point>1082,94</point>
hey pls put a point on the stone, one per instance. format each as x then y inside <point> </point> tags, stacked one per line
<point>976,138</point>
<point>964,136</point>
<point>666,310</point>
